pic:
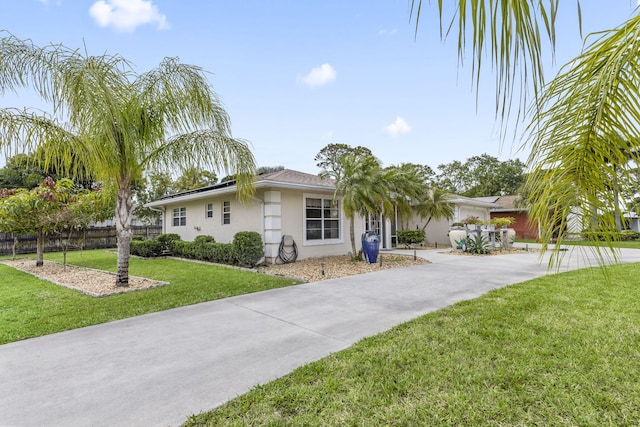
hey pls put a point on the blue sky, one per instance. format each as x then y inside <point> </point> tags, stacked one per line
<point>295,76</point>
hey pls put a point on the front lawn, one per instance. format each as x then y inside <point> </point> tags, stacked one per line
<point>562,350</point>
<point>30,307</point>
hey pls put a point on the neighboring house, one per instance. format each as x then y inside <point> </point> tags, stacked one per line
<point>508,207</point>
<point>286,202</point>
<point>438,230</point>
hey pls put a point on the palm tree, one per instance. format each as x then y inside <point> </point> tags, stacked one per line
<point>434,205</point>
<point>408,184</point>
<point>359,178</point>
<point>118,123</point>
<point>585,131</point>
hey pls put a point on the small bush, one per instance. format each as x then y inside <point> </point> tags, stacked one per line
<point>248,248</point>
<point>410,237</point>
<point>137,237</point>
<point>477,244</point>
<point>146,248</point>
<point>204,239</point>
<point>165,239</point>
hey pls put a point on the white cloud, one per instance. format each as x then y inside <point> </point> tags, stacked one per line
<point>398,127</point>
<point>319,76</point>
<point>389,32</point>
<point>127,15</point>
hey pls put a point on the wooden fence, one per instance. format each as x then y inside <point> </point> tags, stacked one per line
<point>92,238</point>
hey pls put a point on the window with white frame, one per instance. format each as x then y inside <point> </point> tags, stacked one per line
<point>179,217</point>
<point>322,219</point>
<point>226,212</point>
<point>209,210</point>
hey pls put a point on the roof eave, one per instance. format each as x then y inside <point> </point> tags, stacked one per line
<point>232,190</point>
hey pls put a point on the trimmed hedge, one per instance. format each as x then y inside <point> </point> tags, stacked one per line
<point>146,248</point>
<point>246,250</point>
<point>410,237</point>
<point>615,236</point>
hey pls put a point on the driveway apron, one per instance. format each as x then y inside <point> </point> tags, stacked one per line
<point>157,369</point>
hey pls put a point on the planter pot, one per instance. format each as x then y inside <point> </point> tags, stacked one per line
<point>457,238</point>
<point>511,237</point>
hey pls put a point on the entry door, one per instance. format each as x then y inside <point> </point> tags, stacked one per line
<point>378,224</point>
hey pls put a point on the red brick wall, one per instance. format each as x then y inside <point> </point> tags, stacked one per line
<point>524,230</point>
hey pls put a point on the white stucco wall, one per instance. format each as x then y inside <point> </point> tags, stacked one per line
<point>293,205</point>
<point>438,230</point>
<point>272,213</point>
<point>244,217</point>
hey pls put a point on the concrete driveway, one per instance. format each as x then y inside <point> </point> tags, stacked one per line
<point>156,369</point>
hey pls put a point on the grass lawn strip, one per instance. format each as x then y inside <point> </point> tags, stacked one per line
<point>96,283</point>
<point>561,350</point>
<point>30,307</point>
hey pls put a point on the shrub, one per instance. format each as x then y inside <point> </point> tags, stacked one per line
<point>410,237</point>
<point>204,239</point>
<point>165,239</point>
<point>180,248</point>
<point>146,248</point>
<point>613,235</point>
<point>248,248</point>
<point>225,253</point>
<point>137,237</point>
<point>477,244</point>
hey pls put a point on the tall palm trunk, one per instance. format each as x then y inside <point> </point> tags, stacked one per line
<point>352,234</point>
<point>124,212</point>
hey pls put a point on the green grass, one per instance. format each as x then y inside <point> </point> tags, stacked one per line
<point>628,244</point>
<point>563,350</point>
<point>30,307</point>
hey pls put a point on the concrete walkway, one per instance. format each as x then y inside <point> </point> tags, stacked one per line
<point>157,369</point>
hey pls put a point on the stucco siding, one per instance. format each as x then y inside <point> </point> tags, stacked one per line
<point>245,216</point>
<point>273,213</point>
<point>293,224</point>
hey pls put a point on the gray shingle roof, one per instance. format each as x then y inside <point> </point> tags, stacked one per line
<point>295,177</point>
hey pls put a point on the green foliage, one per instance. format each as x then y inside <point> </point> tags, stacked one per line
<point>146,248</point>
<point>204,239</point>
<point>481,176</point>
<point>584,135</point>
<point>152,187</point>
<point>477,244</point>
<point>613,236</point>
<point>166,239</point>
<point>222,253</point>
<point>248,247</point>
<point>194,177</point>
<point>52,207</point>
<point>116,122</point>
<point>410,237</point>
<point>500,222</point>
<point>137,238</point>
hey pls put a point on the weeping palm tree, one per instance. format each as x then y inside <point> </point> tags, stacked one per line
<point>118,123</point>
